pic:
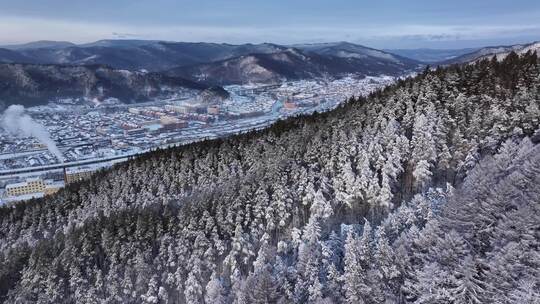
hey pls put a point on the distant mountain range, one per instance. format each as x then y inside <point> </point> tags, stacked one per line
<point>32,84</point>
<point>431,55</point>
<point>184,63</point>
<point>39,71</point>
<point>162,56</point>
<point>42,44</point>
<point>302,62</point>
<point>129,54</point>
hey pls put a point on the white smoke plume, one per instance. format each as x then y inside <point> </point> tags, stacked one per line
<point>16,122</point>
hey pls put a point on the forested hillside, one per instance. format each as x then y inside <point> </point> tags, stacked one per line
<point>425,192</point>
<point>36,84</point>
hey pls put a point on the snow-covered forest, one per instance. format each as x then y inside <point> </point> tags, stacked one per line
<point>425,192</point>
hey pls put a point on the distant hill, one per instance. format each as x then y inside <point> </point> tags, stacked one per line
<point>210,63</point>
<point>500,51</point>
<point>32,84</point>
<point>136,54</point>
<point>11,56</point>
<point>213,95</point>
<point>431,55</point>
<point>123,43</point>
<point>42,44</point>
<point>293,64</point>
<point>154,55</point>
<point>350,50</point>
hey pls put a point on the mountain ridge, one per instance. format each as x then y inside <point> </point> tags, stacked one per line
<point>217,64</point>
<point>155,55</point>
<point>499,51</point>
<point>291,64</point>
<point>431,56</point>
<point>41,44</point>
<point>34,84</point>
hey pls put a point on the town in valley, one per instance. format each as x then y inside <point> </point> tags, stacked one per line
<point>95,134</point>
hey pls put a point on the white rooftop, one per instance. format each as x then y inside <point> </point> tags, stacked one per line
<point>22,184</point>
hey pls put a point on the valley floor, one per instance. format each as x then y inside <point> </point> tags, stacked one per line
<point>96,136</point>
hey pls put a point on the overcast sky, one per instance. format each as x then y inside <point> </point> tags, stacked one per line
<point>376,23</point>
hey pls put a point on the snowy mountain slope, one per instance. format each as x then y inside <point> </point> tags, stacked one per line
<point>43,44</point>
<point>350,50</point>
<point>30,84</point>
<point>10,56</point>
<point>292,64</point>
<point>139,54</point>
<point>520,50</point>
<point>162,55</point>
<point>500,51</point>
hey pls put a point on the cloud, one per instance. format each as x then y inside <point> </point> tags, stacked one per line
<point>22,29</point>
<point>125,35</point>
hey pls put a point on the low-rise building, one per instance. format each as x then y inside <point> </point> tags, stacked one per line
<point>213,110</point>
<point>40,146</point>
<point>150,122</point>
<point>172,123</point>
<point>53,187</point>
<point>77,175</point>
<point>289,105</point>
<point>135,111</point>
<point>132,132</point>
<point>33,187</point>
<point>128,126</point>
<point>102,131</point>
<point>150,113</point>
<point>176,109</point>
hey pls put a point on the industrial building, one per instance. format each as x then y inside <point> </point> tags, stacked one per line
<point>172,123</point>
<point>176,109</point>
<point>186,109</point>
<point>136,131</point>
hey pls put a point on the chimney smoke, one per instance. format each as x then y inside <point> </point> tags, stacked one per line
<point>16,122</point>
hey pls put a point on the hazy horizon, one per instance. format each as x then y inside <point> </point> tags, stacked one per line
<point>386,24</point>
<point>449,48</point>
